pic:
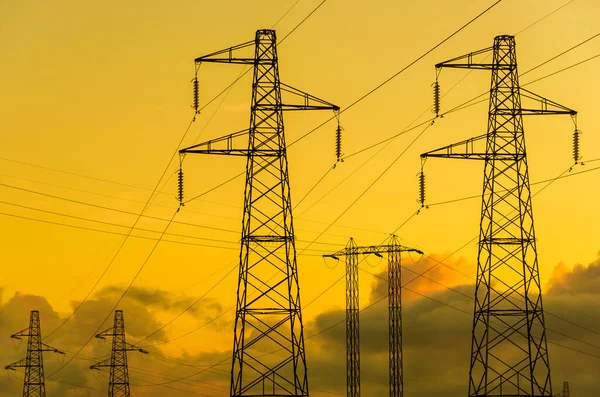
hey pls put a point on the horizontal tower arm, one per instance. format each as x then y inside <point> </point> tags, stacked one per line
<point>374,249</point>
<point>235,144</point>
<point>310,102</point>
<point>546,106</point>
<point>19,364</point>
<point>471,149</point>
<point>227,56</point>
<point>459,62</point>
<point>101,364</point>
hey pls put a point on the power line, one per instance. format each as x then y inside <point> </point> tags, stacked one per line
<point>561,54</point>
<point>544,17</point>
<point>122,295</point>
<point>363,97</point>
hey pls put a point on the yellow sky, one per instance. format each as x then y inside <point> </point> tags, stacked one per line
<point>102,90</point>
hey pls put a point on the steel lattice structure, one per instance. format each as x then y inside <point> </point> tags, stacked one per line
<point>34,383</point>
<point>268,313</point>
<point>118,381</point>
<point>351,252</point>
<point>509,354</point>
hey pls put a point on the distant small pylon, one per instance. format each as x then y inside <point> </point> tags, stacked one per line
<point>34,384</point>
<point>118,383</point>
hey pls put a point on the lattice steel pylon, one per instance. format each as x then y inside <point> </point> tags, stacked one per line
<point>394,251</point>
<point>509,354</point>
<point>268,312</point>
<point>34,384</point>
<point>118,381</point>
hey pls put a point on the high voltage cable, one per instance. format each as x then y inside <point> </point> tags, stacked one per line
<point>112,209</point>
<point>321,179</point>
<point>122,295</point>
<point>248,69</point>
<point>137,220</point>
<point>546,16</point>
<point>369,187</point>
<point>534,183</point>
<point>140,202</point>
<point>369,92</point>
<point>471,298</point>
<point>561,54</point>
<point>564,69</point>
<point>189,307</point>
<point>363,97</point>
<point>460,107</point>
<point>467,104</point>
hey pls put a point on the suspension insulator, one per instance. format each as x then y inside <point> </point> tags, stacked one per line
<point>436,98</point>
<point>196,95</point>
<point>576,156</point>
<point>180,186</point>
<point>338,143</point>
<point>422,188</point>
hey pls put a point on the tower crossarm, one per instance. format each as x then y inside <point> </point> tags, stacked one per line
<point>546,106</point>
<point>309,102</point>
<point>470,149</point>
<point>384,249</point>
<point>20,334</point>
<point>466,61</point>
<point>235,144</point>
<point>229,55</point>
<point>18,364</point>
<point>134,348</point>
<point>373,249</point>
<point>102,364</point>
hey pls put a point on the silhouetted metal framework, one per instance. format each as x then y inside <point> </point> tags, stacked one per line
<point>268,315</point>
<point>565,392</point>
<point>509,354</point>
<point>118,381</point>
<point>351,252</point>
<point>34,383</point>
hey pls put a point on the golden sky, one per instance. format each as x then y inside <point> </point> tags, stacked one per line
<point>96,96</point>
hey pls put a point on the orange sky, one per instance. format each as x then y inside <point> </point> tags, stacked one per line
<point>98,97</point>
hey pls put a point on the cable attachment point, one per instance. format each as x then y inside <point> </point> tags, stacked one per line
<point>338,139</point>
<point>180,183</point>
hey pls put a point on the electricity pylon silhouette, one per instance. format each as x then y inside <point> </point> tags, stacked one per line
<point>118,382</point>
<point>509,354</point>
<point>565,391</point>
<point>394,251</point>
<point>34,383</point>
<point>268,313</point>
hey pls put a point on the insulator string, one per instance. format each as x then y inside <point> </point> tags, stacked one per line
<point>436,98</point>
<point>196,104</point>
<point>422,188</point>
<point>180,184</point>
<point>576,141</point>
<point>338,139</point>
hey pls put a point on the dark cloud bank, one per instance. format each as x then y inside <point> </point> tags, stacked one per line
<point>436,339</point>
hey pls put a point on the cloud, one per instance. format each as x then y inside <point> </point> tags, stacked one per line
<point>77,380</point>
<point>443,271</point>
<point>437,334</point>
<point>436,338</point>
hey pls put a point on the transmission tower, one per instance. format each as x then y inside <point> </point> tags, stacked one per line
<point>509,355</point>
<point>351,252</point>
<point>118,382</point>
<point>565,391</point>
<point>268,315</point>
<point>34,383</point>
